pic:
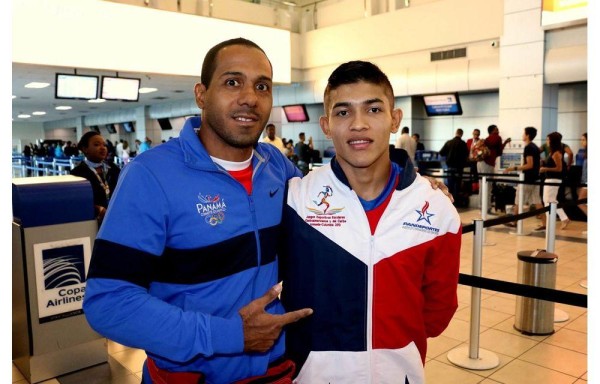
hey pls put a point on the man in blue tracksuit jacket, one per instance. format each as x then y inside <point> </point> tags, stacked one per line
<point>185,264</point>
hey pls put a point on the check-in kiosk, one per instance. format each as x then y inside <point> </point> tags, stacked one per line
<point>53,231</point>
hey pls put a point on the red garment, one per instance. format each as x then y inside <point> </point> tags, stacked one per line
<point>494,144</point>
<point>244,177</point>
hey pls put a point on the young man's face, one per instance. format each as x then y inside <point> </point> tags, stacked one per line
<point>359,120</point>
<point>237,103</point>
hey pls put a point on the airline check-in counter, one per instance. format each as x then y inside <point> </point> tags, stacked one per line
<point>53,231</point>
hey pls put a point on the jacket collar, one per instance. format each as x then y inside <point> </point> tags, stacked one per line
<point>398,156</point>
<point>195,154</point>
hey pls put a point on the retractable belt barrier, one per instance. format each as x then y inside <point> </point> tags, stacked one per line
<point>563,297</point>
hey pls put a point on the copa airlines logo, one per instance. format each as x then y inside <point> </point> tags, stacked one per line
<point>424,216</point>
<point>212,208</point>
<point>63,267</point>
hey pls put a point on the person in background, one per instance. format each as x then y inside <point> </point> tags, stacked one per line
<point>420,146</point>
<point>125,158</point>
<point>404,141</point>
<point>27,151</point>
<point>195,284</point>
<point>101,173</point>
<point>119,150</point>
<point>473,140</point>
<point>289,151</point>
<point>565,149</point>
<point>70,149</point>
<point>304,152</point>
<point>571,177</point>
<point>456,153</point>
<point>273,139</point>
<point>368,245</point>
<point>554,169</point>
<point>146,145</point>
<point>531,173</point>
<point>110,150</point>
<point>494,146</point>
<point>581,159</point>
<point>58,151</point>
<point>474,149</point>
<point>136,148</point>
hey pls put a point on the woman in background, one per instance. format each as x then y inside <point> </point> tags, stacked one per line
<point>101,174</point>
<point>126,151</point>
<point>554,169</point>
<point>581,160</point>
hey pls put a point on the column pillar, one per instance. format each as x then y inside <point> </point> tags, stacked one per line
<point>524,99</point>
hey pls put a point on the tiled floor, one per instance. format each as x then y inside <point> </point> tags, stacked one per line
<point>555,359</point>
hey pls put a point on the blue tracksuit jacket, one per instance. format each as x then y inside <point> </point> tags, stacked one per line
<point>182,248</point>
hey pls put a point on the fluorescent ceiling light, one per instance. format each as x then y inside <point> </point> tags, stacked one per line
<point>23,116</point>
<point>63,107</point>
<point>14,97</point>
<point>39,113</point>
<point>96,101</point>
<point>35,84</point>
<point>147,90</point>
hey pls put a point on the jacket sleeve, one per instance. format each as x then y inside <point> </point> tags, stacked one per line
<point>127,314</point>
<point>117,303</point>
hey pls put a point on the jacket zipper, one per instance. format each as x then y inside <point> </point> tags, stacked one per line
<point>370,307</point>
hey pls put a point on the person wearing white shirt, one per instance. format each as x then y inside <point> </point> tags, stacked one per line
<point>270,138</point>
<point>407,143</point>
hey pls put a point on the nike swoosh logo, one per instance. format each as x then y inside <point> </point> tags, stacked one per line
<point>272,193</point>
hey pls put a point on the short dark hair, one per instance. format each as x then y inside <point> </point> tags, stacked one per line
<point>84,142</point>
<point>459,131</point>
<point>491,128</point>
<point>210,60</point>
<point>416,135</point>
<point>270,125</point>
<point>477,129</point>
<point>355,71</point>
<point>531,132</point>
<point>404,130</point>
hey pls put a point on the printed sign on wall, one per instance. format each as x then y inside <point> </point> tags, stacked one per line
<point>60,271</point>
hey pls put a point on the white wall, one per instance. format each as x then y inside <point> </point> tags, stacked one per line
<point>572,113</point>
<point>25,133</point>
<point>101,27</point>
<point>479,111</point>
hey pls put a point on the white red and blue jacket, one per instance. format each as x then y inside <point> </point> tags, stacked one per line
<point>376,298</point>
<point>182,248</point>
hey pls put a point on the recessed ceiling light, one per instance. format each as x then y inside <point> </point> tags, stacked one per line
<point>24,116</point>
<point>96,101</point>
<point>39,113</point>
<point>147,90</point>
<point>35,84</point>
<point>63,107</point>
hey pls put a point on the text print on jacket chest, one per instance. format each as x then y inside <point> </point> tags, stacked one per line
<point>323,210</point>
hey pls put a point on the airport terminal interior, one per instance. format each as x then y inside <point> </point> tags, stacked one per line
<point>510,63</point>
<point>559,358</point>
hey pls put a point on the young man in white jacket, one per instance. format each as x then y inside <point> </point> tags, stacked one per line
<point>368,245</point>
